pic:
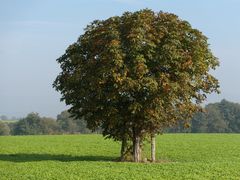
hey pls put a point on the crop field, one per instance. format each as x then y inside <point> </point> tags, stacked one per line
<point>181,156</point>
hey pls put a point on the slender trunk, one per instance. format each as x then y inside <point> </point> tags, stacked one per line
<point>123,149</point>
<point>153,147</point>
<point>136,149</point>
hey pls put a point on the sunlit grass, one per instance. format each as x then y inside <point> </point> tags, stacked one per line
<point>182,156</point>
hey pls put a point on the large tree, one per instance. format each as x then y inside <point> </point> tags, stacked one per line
<point>135,74</point>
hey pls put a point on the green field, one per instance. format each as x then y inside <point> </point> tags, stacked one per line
<point>8,121</point>
<point>183,156</point>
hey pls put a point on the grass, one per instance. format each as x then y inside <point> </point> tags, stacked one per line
<point>8,121</point>
<point>183,156</point>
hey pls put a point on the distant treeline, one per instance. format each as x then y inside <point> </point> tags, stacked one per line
<point>222,117</point>
<point>33,124</point>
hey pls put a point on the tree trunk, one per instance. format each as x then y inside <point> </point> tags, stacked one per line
<point>153,147</point>
<point>136,149</point>
<point>123,149</point>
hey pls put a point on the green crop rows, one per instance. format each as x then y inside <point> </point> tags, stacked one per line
<point>181,156</point>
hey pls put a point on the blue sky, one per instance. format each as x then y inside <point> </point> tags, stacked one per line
<point>33,34</point>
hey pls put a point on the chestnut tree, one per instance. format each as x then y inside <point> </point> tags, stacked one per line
<point>135,74</point>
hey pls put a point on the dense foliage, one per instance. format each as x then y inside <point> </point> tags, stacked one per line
<point>71,125</point>
<point>135,74</point>
<point>4,129</point>
<point>221,117</point>
<point>33,124</point>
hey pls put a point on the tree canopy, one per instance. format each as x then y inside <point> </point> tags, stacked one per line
<point>71,125</point>
<point>221,117</point>
<point>135,74</point>
<point>4,129</point>
<point>33,124</point>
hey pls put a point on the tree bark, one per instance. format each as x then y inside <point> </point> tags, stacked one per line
<point>123,149</point>
<point>136,149</point>
<point>153,147</point>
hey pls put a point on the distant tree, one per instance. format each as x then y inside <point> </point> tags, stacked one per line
<point>136,74</point>
<point>28,125</point>
<point>199,123</point>
<point>66,123</point>
<point>231,114</point>
<point>216,122</point>
<point>218,117</point>
<point>49,126</point>
<point>34,124</point>
<point>11,126</point>
<point>14,118</point>
<point>4,129</point>
<point>3,117</point>
<point>71,125</point>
